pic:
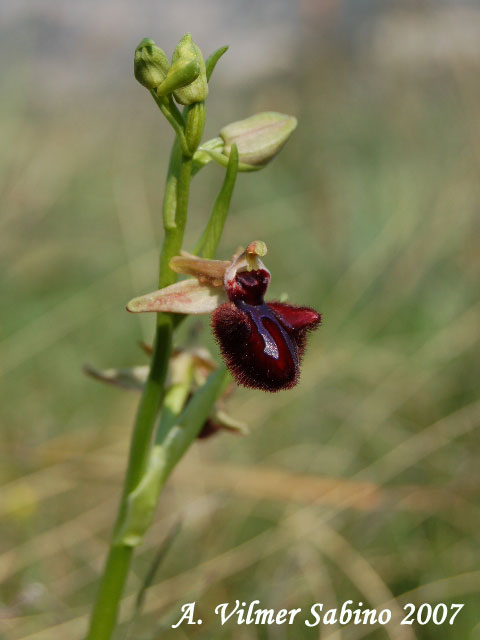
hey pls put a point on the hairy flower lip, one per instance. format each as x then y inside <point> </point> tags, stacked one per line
<point>263,344</point>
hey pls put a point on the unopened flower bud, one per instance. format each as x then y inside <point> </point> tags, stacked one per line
<point>197,90</point>
<point>151,64</point>
<point>258,138</point>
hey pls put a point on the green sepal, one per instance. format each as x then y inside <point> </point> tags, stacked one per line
<point>181,73</point>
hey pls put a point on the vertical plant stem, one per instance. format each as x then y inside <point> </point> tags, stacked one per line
<point>117,566</point>
<point>175,225</point>
<point>115,574</point>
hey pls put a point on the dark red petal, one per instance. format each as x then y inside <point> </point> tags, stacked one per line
<point>259,352</point>
<point>297,321</point>
<point>296,317</point>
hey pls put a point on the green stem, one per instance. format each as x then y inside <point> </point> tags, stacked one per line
<point>175,227</point>
<point>174,117</point>
<point>105,612</point>
<point>116,569</point>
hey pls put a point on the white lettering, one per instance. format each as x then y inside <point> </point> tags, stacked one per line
<point>330,617</point>
<point>250,619</point>
<point>315,611</point>
<point>357,613</point>
<point>264,616</point>
<point>223,609</point>
<point>344,611</point>
<point>384,616</point>
<point>373,616</point>
<point>188,610</point>
<point>293,613</point>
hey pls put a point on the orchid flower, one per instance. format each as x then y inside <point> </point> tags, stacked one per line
<point>262,343</point>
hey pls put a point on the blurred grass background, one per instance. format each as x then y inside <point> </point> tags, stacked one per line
<point>359,484</point>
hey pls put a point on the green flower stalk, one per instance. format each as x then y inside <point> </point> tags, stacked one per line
<point>181,390</point>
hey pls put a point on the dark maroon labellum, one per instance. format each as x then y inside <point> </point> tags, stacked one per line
<point>262,343</point>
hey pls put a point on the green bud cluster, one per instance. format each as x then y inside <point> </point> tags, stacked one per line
<point>185,79</point>
<point>258,139</point>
